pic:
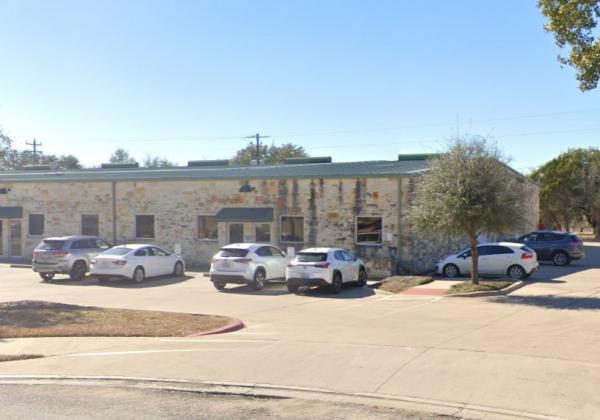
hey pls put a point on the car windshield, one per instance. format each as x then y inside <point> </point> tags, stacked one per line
<point>51,245</point>
<point>311,257</point>
<point>233,252</point>
<point>118,251</point>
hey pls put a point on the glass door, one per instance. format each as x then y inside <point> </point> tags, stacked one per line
<point>16,243</point>
<point>236,233</point>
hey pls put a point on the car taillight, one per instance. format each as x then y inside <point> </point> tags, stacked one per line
<point>214,260</point>
<point>322,265</point>
<point>243,260</point>
<point>60,253</point>
<point>291,264</point>
<point>527,255</point>
<point>119,262</point>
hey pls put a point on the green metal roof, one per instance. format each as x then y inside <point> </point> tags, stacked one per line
<point>307,170</point>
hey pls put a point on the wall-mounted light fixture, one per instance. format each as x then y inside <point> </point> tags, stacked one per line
<point>246,188</point>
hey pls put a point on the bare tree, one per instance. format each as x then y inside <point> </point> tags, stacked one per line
<point>469,190</point>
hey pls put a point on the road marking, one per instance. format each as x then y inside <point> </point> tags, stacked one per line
<point>121,353</point>
<point>204,340</point>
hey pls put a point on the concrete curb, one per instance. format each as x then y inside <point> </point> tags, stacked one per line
<point>20,266</point>
<point>421,405</point>
<point>234,325</point>
<point>505,291</point>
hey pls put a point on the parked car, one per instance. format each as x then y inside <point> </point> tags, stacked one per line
<point>559,247</point>
<point>517,261</point>
<point>329,267</point>
<point>136,262</point>
<point>66,255</point>
<point>247,263</point>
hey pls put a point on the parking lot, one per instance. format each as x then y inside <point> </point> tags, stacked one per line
<point>534,351</point>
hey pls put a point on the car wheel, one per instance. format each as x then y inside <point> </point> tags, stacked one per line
<point>362,278</point>
<point>292,288</point>
<point>178,270</point>
<point>561,259</point>
<point>219,285</point>
<point>78,270</point>
<point>516,272</point>
<point>336,284</point>
<point>450,271</point>
<point>259,279</point>
<point>139,275</point>
<point>47,276</point>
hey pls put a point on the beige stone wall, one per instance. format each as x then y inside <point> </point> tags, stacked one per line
<point>329,207</point>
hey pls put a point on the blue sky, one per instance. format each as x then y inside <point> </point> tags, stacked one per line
<point>354,80</point>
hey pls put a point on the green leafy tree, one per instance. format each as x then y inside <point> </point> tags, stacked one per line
<point>268,154</point>
<point>573,23</point>
<point>157,162</point>
<point>121,156</point>
<point>5,150</point>
<point>469,190</point>
<point>570,187</point>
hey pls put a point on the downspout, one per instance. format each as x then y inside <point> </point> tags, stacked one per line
<point>398,228</point>
<point>114,212</point>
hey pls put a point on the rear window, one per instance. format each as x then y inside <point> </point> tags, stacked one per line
<point>311,257</point>
<point>527,249</point>
<point>119,251</point>
<point>233,252</point>
<point>51,245</point>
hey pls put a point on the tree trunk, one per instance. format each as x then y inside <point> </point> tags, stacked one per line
<point>474,260</point>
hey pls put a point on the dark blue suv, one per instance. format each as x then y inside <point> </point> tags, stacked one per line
<point>559,247</point>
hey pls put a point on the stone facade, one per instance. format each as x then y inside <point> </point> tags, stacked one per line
<point>329,208</point>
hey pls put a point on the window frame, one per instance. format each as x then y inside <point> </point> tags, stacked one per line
<point>153,226</point>
<point>29,224</point>
<point>281,240</point>
<point>97,216</point>
<point>356,230</point>
<point>216,239</point>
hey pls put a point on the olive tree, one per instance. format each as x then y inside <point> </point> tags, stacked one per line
<point>469,190</point>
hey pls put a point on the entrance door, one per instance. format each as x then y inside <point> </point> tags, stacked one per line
<point>236,233</point>
<point>16,242</point>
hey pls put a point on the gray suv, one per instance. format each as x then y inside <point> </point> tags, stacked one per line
<point>66,255</point>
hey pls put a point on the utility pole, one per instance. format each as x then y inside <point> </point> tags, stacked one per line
<point>35,145</point>
<point>257,137</point>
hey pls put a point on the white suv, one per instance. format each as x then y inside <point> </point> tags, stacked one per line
<point>252,264</point>
<point>331,267</point>
<point>516,261</point>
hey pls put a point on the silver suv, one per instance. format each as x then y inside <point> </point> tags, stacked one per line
<point>66,255</point>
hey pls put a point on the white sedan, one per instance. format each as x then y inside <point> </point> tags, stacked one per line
<point>136,262</point>
<point>516,261</point>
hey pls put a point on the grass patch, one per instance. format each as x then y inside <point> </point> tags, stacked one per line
<point>48,319</point>
<point>396,284</point>
<point>483,286</point>
<point>13,357</point>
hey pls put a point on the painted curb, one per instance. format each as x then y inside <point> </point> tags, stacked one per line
<point>235,325</point>
<point>505,291</point>
<point>419,405</point>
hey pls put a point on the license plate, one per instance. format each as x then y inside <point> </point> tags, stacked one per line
<point>304,275</point>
